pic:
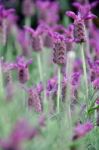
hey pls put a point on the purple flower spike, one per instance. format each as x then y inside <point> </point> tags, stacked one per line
<point>76,78</point>
<point>34,100</point>
<point>23,71</point>
<point>28,8</point>
<point>82,129</point>
<point>59,49</point>
<point>46,10</point>
<point>35,39</point>
<point>52,86</point>
<point>69,37</point>
<point>85,8</point>
<point>22,131</point>
<point>7,77</point>
<point>24,42</point>
<point>79,24</point>
<point>40,88</point>
<point>4,13</point>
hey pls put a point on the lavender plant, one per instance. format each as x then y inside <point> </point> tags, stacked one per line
<point>49,78</point>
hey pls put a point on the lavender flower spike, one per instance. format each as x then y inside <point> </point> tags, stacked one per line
<point>79,24</point>
<point>59,49</point>
<point>82,129</point>
<point>22,66</point>
<point>35,40</point>
<point>34,100</point>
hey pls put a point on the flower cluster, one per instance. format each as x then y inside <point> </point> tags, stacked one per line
<point>50,71</point>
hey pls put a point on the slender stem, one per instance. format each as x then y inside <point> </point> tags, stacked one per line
<point>59,90</point>
<point>1,83</point>
<point>85,72</point>
<point>28,21</point>
<point>69,70</point>
<point>40,69</point>
<point>39,66</point>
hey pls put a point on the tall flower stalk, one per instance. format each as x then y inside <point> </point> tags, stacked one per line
<point>59,57</point>
<point>69,70</point>
<point>59,89</point>
<point>84,71</point>
<point>39,66</point>
<point>1,82</point>
<point>80,37</point>
<point>28,11</point>
<point>36,44</point>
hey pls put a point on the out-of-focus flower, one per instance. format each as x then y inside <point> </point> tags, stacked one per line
<point>35,39</point>
<point>4,13</point>
<point>75,78</point>
<point>11,17</point>
<point>8,83</point>
<point>24,42</point>
<point>82,129</point>
<point>97,101</point>
<point>52,86</point>
<point>59,49</point>
<point>79,24</point>
<point>94,40</point>
<point>96,83</point>
<point>77,65</point>
<point>21,132</point>
<point>34,100</point>
<point>84,8</point>
<point>22,66</point>
<point>46,10</point>
<point>46,35</point>
<point>40,88</point>
<point>69,37</point>
<point>94,69</point>
<point>6,66</point>
<point>28,8</point>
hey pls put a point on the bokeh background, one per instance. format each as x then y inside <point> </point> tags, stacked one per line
<point>65,5</point>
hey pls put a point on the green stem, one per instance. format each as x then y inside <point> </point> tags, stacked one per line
<point>1,83</point>
<point>28,21</point>
<point>59,90</point>
<point>40,69</point>
<point>69,71</point>
<point>39,66</point>
<point>85,72</point>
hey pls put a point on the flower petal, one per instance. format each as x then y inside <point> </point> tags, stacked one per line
<point>71,14</point>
